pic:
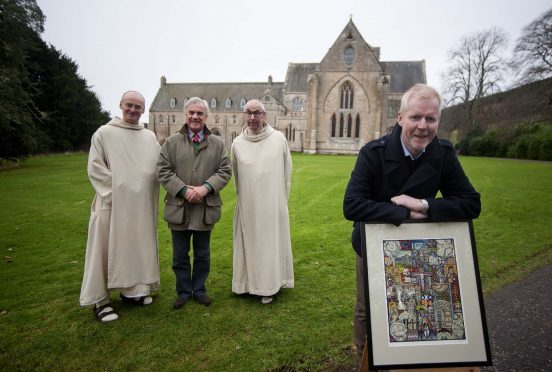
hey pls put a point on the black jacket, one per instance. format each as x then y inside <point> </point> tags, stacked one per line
<point>382,172</point>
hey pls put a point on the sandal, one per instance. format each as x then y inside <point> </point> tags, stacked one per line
<point>105,313</point>
<point>139,301</point>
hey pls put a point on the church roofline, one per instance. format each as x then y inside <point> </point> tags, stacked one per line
<point>226,83</point>
<point>236,91</point>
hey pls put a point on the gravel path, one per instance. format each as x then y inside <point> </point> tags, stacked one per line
<point>519,319</point>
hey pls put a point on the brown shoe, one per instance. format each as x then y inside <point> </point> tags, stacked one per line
<point>179,303</point>
<point>204,299</point>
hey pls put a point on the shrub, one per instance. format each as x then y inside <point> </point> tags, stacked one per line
<point>545,149</point>
<point>464,146</point>
<point>489,144</point>
<point>526,141</point>
<point>519,148</point>
<point>534,146</point>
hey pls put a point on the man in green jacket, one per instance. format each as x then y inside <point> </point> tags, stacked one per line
<point>193,167</point>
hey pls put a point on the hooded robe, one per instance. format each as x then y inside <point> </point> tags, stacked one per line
<point>121,252</point>
<point>262,262</point>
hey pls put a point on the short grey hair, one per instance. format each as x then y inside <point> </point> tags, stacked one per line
<point>419,91</point>
<point>197,100</point>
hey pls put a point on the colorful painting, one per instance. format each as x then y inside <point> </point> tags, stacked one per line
<point>423,292</point>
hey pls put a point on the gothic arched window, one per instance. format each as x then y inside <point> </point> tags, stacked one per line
<point>333,125</point>
<point>346,96</point>
<point>341,125</point>
<point>357,126</point>
<point>349,125</point>
<point>298,104</point>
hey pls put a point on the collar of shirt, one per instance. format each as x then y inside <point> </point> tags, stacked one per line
<point>192,134</point>
<point>408,154</point>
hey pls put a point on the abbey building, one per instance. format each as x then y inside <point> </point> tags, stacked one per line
<point>331,107</point>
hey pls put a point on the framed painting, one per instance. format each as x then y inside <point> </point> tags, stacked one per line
<point>424,304</point>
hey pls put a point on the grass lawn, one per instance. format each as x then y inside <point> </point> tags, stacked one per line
<point>44,211</point>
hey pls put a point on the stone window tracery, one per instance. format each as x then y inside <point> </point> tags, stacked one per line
<point>298,105</point>
<point>346,95</point>
<point>349,55</point>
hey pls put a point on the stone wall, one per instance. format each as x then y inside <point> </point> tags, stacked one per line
<point>529,103</point>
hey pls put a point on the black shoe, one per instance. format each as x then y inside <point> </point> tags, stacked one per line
<point>179,303</point>
<point>204,299</point>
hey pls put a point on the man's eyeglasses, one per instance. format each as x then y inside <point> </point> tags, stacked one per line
<point>256,114</point>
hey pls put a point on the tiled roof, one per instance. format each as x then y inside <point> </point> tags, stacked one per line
<point>296,77</point>
<point>404,74</point>
<point>208,91</point>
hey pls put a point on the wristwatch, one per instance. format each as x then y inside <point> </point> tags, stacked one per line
<point>425,205</point>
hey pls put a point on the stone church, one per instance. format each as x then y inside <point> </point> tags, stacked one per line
<point>331,107</point>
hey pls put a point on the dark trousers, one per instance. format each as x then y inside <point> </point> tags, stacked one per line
<point>191,283</point>
<point>360,313</point>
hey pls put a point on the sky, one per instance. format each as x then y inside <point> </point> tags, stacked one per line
<point>122,45</point>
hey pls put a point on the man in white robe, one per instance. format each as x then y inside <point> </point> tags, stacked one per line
<point>261,163</point>
<point>121,252</point>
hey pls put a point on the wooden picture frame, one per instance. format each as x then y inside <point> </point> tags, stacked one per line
<point>424,304</point>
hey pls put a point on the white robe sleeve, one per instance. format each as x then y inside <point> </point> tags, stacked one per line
<point>235,169</point>
<point>287,170</point>
<point>99,172</point>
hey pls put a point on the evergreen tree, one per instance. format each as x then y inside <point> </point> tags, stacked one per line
<point>45,105</point>
<point>19,19</point>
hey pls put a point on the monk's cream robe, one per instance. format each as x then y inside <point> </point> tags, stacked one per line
<point>262,260</point>
<point>121,252</point>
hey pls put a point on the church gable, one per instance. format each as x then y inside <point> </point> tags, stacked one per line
<point>331,107</point>
<point>351,53</point>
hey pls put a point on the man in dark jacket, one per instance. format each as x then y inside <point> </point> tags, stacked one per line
<point>397,177</point>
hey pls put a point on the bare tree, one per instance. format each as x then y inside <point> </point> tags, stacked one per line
<point>476,69</point>
<point>532,57</point>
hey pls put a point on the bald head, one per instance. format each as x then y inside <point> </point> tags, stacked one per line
<point>132,105</point>
<point>254,103</point>
<point>133,93</point>
<point>254,112</point>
